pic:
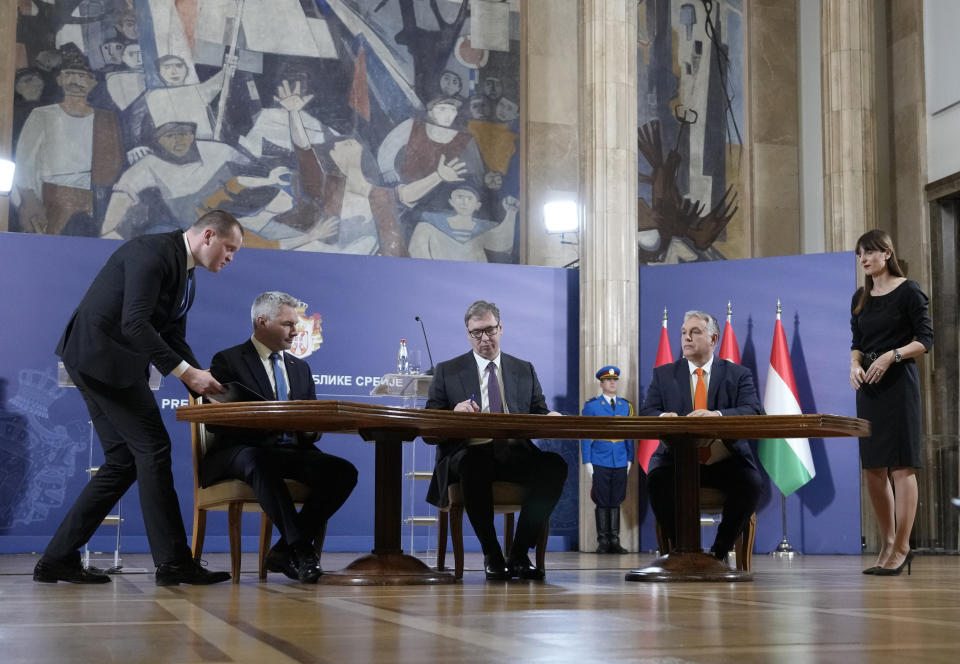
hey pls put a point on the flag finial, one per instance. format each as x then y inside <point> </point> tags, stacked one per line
<point>779,308</point>
<point>664,316</point>
<point>729,309</point>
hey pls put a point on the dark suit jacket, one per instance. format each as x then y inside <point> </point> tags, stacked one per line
<point>241,364</point>
<point>730,391</point>
<point>128,317</point>
<point>455,381</point>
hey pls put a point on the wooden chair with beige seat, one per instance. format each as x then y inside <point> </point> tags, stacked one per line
<point>711,502</point>
<point>507,500</point>
<point>233,497</point>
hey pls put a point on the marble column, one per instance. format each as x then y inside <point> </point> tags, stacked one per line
<point>609,300</point>
<point>8,67</point>
<point>850,170</point>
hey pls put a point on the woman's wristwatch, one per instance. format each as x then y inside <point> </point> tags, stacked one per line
<point>897,357</point>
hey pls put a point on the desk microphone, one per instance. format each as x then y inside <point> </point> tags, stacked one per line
<point>429,372</point>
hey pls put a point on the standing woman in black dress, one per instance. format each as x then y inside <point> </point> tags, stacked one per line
<point>891,326</point>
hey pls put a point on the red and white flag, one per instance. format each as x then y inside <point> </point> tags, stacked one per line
<point>646,448</point>
<point>729,349</point>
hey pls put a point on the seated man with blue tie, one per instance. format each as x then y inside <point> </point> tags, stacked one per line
<point>264,459</point>
<point>700,385</point>
<point>486,380</point>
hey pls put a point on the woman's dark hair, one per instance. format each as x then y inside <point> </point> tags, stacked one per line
<point>875,240</point>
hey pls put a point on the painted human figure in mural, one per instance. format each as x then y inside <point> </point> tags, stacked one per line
<point>461,236</point>
<point>272,124</point>
<point>111,51</point>
<point>183,102</point>
<point>55,183</point>
<point>340,177</point>
<point>450,84</point>
<point>185,171</point>
<point>412,149</point>
<point>128,83</point>
<point>496,140</point>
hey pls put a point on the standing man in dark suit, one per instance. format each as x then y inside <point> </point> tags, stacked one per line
<point>263,459</point>
<point>134,315</point>
<point>699,385</point>
<point>486,380</point>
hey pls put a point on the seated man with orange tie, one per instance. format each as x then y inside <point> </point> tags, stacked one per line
<point>486,380</point>
<point>700,385</point>
<point>264,459</point>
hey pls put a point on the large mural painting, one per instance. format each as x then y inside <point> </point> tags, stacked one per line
<point>690,116</point>
<point>385,127</point>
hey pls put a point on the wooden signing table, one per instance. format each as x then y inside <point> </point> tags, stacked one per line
<point>388,427</point>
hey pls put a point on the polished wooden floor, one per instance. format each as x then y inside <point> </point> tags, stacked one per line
<point>810,609</point>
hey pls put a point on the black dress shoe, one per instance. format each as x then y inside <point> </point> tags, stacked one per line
<point>495,568</point>
<point>521,568</point>
<point>51,571</point>
<point>282,561</point>
<point>188,571</point>
<point>308,564</point>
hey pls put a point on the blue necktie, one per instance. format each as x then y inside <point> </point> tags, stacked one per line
<point>188,294</point>
<point>278,377</point>
<point>493,389</point>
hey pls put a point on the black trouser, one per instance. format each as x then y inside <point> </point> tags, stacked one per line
<point>330,478</point>
<point>136,446</point>
<point>609,486</point>
<point>542,473</point>
<point>741,483</point>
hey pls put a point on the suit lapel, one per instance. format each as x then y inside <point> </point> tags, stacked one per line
<point>511,382</point>
<point>293,376</point>
<point>719,370</point>
<point>682,376</point>
<point>469,378</point>
<point>257,372</point>
<point>180,258</point>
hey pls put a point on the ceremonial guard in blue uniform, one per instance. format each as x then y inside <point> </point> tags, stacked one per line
<point>608,462</point>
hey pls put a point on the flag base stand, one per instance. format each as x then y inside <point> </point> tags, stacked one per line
<point>784,550</point>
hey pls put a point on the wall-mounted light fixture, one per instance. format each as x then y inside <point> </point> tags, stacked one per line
<point>6,176</point>
<point>560,216</point>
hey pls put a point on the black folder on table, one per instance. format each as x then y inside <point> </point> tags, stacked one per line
<point>236,392</point>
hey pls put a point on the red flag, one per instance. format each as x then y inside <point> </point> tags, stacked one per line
<point>646,448</point>
<point>359,96</point>
<point>729,350</point>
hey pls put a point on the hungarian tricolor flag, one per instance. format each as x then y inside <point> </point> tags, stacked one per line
<point>729,350</point>
<point>787,460</point>
<point>646,448</point>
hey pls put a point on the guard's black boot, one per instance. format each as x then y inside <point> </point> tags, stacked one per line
<point>613,538</point>
<point>603,530</point>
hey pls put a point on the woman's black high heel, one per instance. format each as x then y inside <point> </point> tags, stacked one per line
<point>871,570</point>
<point>886,571</point>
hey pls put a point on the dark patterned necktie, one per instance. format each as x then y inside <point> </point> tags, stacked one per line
<point>493,389</point>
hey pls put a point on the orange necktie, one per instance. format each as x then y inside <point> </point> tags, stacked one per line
<point>700,403</point>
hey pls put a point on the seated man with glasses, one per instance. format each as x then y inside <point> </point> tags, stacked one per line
<point>486,380</point>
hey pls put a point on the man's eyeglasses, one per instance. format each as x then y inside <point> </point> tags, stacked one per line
<point>489,331</point>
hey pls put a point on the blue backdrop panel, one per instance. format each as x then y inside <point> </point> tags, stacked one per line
<point>366,306</point>
<point>815,290</point>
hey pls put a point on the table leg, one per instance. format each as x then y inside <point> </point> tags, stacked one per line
<point>387,565</point>
<point>687,561</point>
